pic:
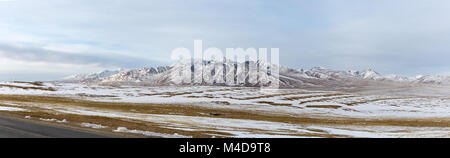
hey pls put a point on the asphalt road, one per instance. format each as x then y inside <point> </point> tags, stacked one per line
<point>14,128</point>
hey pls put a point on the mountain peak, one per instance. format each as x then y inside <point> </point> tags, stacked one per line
<point>91,76</point>
<point>213,70</point>
<point>370,74</point>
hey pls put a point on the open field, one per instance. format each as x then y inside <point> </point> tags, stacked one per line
<point>227,111</point>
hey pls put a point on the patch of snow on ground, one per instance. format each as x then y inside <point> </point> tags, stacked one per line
<point>148,133</point>
<point>91,125</point>
<point>4,108</point>
<point>54,120</point>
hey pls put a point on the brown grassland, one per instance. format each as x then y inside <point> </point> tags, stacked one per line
<point>191,110</point>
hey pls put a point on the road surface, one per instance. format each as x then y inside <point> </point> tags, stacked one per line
<point>15,128</point>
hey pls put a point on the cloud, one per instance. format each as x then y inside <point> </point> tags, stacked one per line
<point>402,37</point>
<point>31,63</point>
<point>35,54</point>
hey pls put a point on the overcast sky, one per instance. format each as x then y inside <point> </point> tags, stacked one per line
<point>50,39</point>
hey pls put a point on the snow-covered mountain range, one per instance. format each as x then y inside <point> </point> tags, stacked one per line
<point>92,77</point>
<point>246,74</point>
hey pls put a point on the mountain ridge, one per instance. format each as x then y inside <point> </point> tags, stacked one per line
<point>245,74</point>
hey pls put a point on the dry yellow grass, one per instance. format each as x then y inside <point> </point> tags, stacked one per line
<point>312,96</point>
<point>169,94</point>
<point>36,83</point>
<point>271,95</point>
<point>187,110</point>
<point>325,99</point>
<point>202,96</point>
<point>324,106</point>
<point>26,88</point>
<point>273,103</point>
<point>369,101</point>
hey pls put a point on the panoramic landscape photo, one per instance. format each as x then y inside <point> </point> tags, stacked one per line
<point>228,69</point>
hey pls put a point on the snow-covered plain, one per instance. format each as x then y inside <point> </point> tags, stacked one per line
<point>286,102</point>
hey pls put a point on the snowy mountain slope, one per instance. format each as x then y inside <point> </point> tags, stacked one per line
<point>135,75</point>
<point>251,73</point>
<point>432,79</point>
<point>197,73</point>
<point>92,77</point>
